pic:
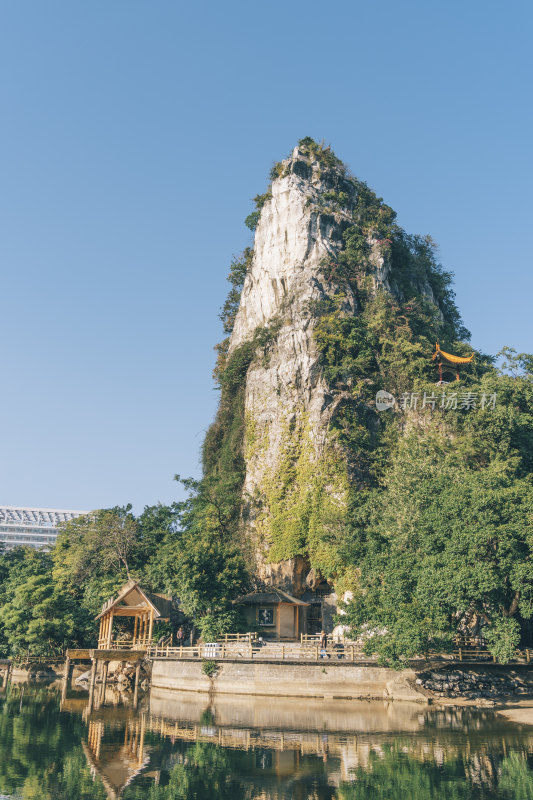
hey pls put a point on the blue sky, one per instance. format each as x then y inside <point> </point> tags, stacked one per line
<point>133,137</point>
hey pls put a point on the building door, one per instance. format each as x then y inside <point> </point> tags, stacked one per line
<point>314,618</point>
<point>287,621</point>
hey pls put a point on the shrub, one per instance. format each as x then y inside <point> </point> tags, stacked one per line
<point>209,667</point>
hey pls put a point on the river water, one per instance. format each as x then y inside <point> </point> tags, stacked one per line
<point>183,745</point>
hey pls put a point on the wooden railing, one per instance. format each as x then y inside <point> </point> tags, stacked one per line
<point>480,653</point>
<point>273,651</point>
<point>238,637</point>
<point>310,651</point>
<point>28,659</point>
<point>123,644</point>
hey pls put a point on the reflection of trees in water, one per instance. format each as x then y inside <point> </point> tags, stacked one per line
<point>516,778</point>
<point>204,771</point>
<point>456,755</point>
<point>40,750</point>
<point>397,773</point>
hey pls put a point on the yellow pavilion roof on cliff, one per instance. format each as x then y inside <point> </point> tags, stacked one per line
<point>449,357</point>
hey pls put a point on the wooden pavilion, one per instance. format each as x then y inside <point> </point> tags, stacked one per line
<point>144,607</point>
<point>446,362</point>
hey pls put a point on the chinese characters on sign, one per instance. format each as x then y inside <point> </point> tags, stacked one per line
<point>447,400</point>
<point>465,401</point>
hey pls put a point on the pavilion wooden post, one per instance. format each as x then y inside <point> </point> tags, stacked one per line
<point>100,634</point>
<point>150,629</point>
<point>135,625</point>
<point>110,631</point>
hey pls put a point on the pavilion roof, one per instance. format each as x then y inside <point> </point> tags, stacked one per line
<point>448,356</point>
<point>133,596</point>
<point>271,594</point>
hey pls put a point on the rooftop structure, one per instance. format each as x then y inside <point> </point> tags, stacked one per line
<point>145,608</point>
<point>32,527</point>
<point>446,362</point>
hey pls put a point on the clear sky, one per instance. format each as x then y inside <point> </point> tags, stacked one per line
<point>133,136</point>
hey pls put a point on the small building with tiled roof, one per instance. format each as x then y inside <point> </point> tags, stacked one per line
<point>276,614</point>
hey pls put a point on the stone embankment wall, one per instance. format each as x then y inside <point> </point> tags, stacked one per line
<point>326,679</point>
<point>490,682</point>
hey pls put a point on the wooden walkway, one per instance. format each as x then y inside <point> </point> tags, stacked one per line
<point>106,655</point>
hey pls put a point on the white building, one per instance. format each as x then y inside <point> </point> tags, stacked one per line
<point>33,527</point>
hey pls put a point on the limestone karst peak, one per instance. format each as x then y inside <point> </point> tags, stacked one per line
<point>327,260</point>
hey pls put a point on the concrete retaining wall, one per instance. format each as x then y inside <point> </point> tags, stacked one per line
<point>329,680</point>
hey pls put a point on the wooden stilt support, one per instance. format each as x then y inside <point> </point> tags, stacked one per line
<point>104,671</point>
<point>141,742</point>
<point>99,734</point>
<point>91,685</point>
<point>136,689</point>
<point>66,679</point>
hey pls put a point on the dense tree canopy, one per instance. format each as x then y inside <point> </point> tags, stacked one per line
<point>441,544</point>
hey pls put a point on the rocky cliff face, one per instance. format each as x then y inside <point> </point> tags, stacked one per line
<point>324,244</point>
<point>288,406</point>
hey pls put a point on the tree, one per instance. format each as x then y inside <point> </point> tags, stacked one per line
<point>94,554</point>
<point>100,541</point>
<point>442,544</point>
<point>154,525</point>
<point>117,530</point>
<point>201,562</point>
<point>35,615</point>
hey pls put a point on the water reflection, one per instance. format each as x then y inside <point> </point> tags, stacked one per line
<point>116,760</point>
<point>183,746</point>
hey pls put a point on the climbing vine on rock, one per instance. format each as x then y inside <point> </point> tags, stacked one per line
<point>305,498</point>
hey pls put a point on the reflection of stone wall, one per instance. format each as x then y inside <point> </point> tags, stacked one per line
<point>351,735</point>
<point>270,713</point>
<point>328,679</point>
